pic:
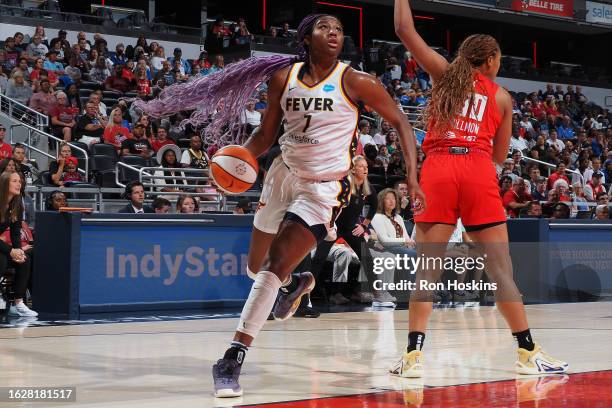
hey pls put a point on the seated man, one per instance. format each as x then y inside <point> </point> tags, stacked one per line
<point>134,192</point>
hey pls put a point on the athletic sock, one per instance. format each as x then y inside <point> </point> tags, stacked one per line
<point>291,285</point>
<point>524,340</point>
<point>415,340</point>
<point>237,351</point>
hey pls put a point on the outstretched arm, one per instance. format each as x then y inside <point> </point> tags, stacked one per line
<point>428,59</point>
<point>366,88</point>
<point>261,141</point>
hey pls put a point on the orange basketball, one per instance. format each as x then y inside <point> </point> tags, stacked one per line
<point>234,169</point>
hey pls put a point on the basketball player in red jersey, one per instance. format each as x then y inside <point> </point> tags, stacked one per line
<point>469,128</point>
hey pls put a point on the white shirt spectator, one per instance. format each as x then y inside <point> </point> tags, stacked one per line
<point>527,126</point>
<point>558,143</point>
<point>385,231</point>
<point>366,139</point>
<point>156,62</point>
<point>588,175</point>
<point>252,118</point>
<point>380,139</point>
<point>37,51</point>
<point>518,144</point>
<point>396,72</point>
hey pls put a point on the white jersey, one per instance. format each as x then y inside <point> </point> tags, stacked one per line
<point>321,126</point>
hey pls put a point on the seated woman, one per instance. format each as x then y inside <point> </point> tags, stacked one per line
<point>63,118</point>
<point>115,133</point>
<point>13,254</point>
<point>167,156</point>
<point>391,234</point>
<point>56,168</point>
<point>187,205</point>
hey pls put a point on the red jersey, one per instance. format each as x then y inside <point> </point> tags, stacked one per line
<point>6,151</point>
<point>474,129</point>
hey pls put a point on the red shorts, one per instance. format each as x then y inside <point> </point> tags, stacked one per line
<point>460,186</point>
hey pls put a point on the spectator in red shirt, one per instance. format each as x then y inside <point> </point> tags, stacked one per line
<point>115,133</point>
<point>38,72</point>
<point>594,187</point>
<point>559,174</point>
<point>43,101</point>
<point>6,151</point>
<point>143,85</point>
<point>72,171</point>
<point>161,140</point>
<point>562,189</point>
<point>516,198</point>
<point>410,65</point>
<point>63,117</point>
<point>117,82</point>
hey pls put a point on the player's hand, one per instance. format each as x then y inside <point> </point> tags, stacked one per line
<point>417,198</point>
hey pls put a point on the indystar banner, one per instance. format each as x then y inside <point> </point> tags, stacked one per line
<point>563,8</point>
<point>598,13</point>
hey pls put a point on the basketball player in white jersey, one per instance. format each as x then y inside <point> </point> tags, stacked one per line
<point>306,189</point>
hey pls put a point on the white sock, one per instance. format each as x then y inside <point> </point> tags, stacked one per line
<point>259,304</point>
<point>250,273</point>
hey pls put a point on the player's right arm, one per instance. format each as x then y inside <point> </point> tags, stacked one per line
<point>428,59</point>
<point>260,142</point>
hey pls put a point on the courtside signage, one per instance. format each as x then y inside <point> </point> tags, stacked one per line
<point>562,8</point>
<point>598,13</point>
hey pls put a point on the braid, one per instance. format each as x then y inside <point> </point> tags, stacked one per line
<point>218,99</point>
<point>456,85</point>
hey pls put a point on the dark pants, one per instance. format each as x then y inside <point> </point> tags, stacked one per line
<point>357,244</point>
<point>22,274</point>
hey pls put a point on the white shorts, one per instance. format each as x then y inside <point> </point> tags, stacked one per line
<point>315,202</point>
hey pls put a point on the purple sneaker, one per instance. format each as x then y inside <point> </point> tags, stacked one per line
<point>225,375</point>
<point>287,303</point>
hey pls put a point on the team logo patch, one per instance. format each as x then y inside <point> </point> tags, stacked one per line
<point>328,88</point>
<point>241,169</point>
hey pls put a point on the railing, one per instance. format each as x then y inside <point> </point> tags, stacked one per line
<point>549,165</point>
<point>22,113</point>
<point>146,175</point>
<point>413,113</point>
<point>30,145</point>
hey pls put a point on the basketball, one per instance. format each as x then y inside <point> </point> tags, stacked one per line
<point>234,169</point>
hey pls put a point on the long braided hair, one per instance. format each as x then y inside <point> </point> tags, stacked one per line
<point>456,85</point>
<point>220,98</point>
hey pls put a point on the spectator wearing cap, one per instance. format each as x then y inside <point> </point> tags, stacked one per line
<point>602,212</point>
<point>161,139</point>
<point>161,205</point>
<point>9,55</point>
<point>516,198</point>
<point>115,133</point>
<point>594,187</point>
<point>119,57</point>
<point>559,174</point>
<point>6,151</point>
<point>250,117</point>
<point>185,66</point>
<point>134,193</point>
<point>526,124</point>
<point>36,49</point>
<point>117,82</point>
<point>138,144</point>
<point>561,211</point>
<point>51,64</point>
<point>167,156</point>
<point>18,89</point>
<point>71,172</point>
<point>63,118</point>
<point>44,100</point>
<point>244,206</point>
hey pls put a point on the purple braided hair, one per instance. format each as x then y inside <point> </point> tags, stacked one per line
<point>225,92</point>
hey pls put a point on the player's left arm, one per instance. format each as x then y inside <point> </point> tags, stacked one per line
<point>367,89</point>
<point>501,140</point>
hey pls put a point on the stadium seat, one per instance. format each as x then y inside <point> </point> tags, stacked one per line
<point>104,149</point>
<point>45,178</point>
<point>82,145</point>
<point>89,85</point>
<point>126,174</point>
<point>377,179</point>
<point>112,94</point>
<point>101,162</point>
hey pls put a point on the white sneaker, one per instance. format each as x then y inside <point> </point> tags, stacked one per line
<point>538,362</point>
<point>22,310</point>
<point>410,365</point>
